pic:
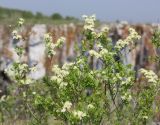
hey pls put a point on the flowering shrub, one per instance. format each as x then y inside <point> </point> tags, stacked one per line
<point>77,93</point>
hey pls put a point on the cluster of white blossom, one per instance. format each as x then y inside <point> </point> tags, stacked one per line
<point>79,114</point>
<point>2,99</point>
<point>133,36</point>
<point>149,75</point>
<point>20,21</point>
<point>101,54</point>
<point>63,84</point>
<point>47,37</point>
<point>15,35</point>
<point>13,71</point>
<point>60,41</point>
<point>126,96</point>
<point>60,74</point>
<point>94,53</point>
<point>90,106</point>
<point>89,22</point>
<point>50,46</point>
<point>20,70</point>
<point>67,105</point>
<point>126,81</point>
<point>105,29</point>
<point>66,66</point>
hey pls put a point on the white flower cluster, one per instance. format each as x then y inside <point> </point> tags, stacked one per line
<point>67,105</point>
<point>126,81</point>
<point>63,84</point>
<point>13,71</point>
<point>60,72</point>
<point>103,52</point>
<point>2,99</point>
<point>89,22</point>
<point>20,21</point>
<point>90,106</point>
<point>15,35</point>
<point>126,96</point>
<point>66,66</point>
<point>20,70</point>
<point>59,75</point>
<point>94,53</point>
<point>48,37</point>
<point>79,114</point>
<point>50,46</point>
<point>149,75</point>
<point>60,41</point>
<point>105,29</point>
<point>129,40</point>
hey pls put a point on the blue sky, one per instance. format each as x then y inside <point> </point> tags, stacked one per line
<point>105,10</point>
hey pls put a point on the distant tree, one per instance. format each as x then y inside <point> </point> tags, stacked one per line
<point>56,16</point>
<point>27,14</point>
<point>70,18</point>
<point>39,15</point>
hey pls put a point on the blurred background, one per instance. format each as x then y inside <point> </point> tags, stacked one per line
<point>61,18</point>
<point>106,10</point>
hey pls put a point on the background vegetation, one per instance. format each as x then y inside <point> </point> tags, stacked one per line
<point>10,16</point>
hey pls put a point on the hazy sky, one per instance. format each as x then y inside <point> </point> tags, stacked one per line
<point>108,10</point>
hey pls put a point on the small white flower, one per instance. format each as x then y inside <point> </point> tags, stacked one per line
<point>50,46</point>
<point>21,21</point>
<point>2,99</point>
<point>94,53</point>
<point>56,69</point>
<point>15,35</point>
<point>90,106</point>
<point>33,93</point>
<point>63,84</point>
<point>60,41</point>
<point>89,22</point>
<point>145,117</point>
<point>104,52</point>
<point>105,29</point>
<point>54,78</point>
<point>150,75</point>
<point>67,105</point>
<point>127,96</point>
<point>28,81</point>
<point>66,66</point>
<point>79,114</point>
<point>47,37</point>
<point>14,32</point>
